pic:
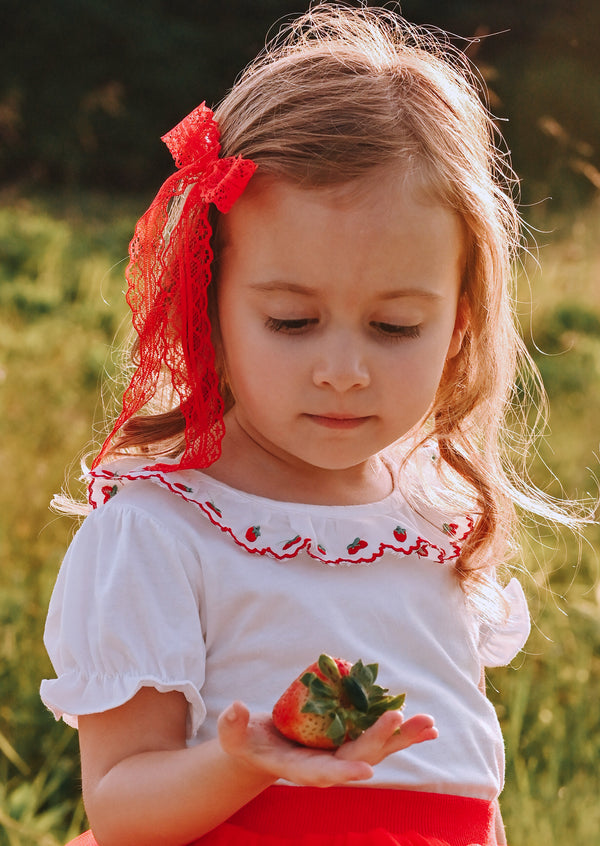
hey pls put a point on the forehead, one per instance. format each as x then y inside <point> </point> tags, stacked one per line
<point>371,230</point>
<point>381,193</point>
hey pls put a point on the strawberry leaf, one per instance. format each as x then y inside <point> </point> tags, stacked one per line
<point>321,690</point>
<point>329,668</point>
<point>377,692</point>
<point>337,730</point>
<point>374,669</point>
<point>355,693</point>
<point>364,675</point>
<point>396,702</point>
<point>388,703</point>
<point>321,708</point>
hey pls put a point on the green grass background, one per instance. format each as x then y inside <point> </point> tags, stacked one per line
<point>61,305</point>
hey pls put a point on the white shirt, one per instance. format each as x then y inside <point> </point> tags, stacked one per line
<point>180,582</point>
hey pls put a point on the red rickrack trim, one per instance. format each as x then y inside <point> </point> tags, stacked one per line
<point>421,546</point>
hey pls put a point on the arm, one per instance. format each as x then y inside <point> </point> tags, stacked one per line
<point>142,784</point>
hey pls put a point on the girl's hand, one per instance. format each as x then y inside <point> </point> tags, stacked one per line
<point>391,733</point>
<point>255,742</point>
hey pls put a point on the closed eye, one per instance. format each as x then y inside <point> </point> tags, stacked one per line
<point>394,331</point>
<point>291,326</point>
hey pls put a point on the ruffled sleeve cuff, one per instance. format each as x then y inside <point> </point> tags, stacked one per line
<point>500,643</point>
<point>72,695</point>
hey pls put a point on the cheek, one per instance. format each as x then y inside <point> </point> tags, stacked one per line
<point>252,367</point>
<point>415,378</point>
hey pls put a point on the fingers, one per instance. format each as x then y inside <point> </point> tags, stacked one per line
<point>388,735</point>
<point>417,729</point>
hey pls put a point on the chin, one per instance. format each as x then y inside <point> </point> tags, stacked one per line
<point>334,464</point>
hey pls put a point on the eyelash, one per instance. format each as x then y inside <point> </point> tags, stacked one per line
<point>291,327</point>
<point>390,331</point>
<point>397,333</point>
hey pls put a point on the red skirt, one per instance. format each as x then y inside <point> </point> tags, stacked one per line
<point>351,816</point>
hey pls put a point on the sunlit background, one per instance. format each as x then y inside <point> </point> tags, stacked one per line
<point>86,89</point>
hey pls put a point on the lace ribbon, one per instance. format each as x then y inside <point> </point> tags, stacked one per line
<point>168,276</point>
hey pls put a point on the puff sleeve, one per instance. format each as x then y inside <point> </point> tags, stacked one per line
<point>124,614</point>
<point>501,642</point>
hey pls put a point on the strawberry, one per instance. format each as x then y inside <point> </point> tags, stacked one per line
<point>253,533</point>
<point>400,534</point>
<point>109,491</point>
<point>291,542</point>
<point>332,701</point>
<point>214,508</point>
<point>356,545</point>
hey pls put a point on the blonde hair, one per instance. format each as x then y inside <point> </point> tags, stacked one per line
<point>342,91</point>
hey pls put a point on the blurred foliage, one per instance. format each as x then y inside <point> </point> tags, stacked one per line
<point>61,304</point>
<point>87,87</point>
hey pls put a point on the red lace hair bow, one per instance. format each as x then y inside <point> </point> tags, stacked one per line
<point>168,275</point>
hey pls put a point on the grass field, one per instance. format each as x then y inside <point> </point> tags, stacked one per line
<point>61,278</point>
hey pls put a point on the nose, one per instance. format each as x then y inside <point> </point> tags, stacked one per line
<point>341,363</point>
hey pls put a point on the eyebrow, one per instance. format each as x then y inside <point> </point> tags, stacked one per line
<point>308,291</point>
<point>292,287</point>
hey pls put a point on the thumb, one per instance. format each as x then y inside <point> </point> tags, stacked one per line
<point>232,725</point>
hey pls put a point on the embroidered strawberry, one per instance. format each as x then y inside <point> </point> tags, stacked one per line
<point>332,701</point>
<point>450,528</point>
<point>109,491</point>
<point>182,487</point>
<point>292,542</point>
<point>321,549</point>
<point>253,533</point>
<point>356,545</point>
<point>214,508</point>
<point>400,534</point>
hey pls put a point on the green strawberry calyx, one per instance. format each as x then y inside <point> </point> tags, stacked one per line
<point>352,701</point>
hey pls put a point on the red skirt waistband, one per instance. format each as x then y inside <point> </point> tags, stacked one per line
<point>292,812</point>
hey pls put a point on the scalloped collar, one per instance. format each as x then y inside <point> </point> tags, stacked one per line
<point>349,534</point>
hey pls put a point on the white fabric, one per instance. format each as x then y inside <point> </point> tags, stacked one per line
<point>153,592</point>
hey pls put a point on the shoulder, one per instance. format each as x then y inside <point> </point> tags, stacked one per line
<point>167,502</point>
<point>435,502</point>
<point>134,533</point>
<point>427,481</point>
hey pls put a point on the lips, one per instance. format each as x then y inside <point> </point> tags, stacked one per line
<point>338,421</point>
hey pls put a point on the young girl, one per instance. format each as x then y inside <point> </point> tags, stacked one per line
<point>307,461</point>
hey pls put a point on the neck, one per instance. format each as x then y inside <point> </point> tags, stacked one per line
<point>246,465</point>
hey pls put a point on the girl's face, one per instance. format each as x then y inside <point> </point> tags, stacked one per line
<point>338,309</point>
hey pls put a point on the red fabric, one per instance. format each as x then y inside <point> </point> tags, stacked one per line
<point>168,274</point>
<point>352,816</point>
